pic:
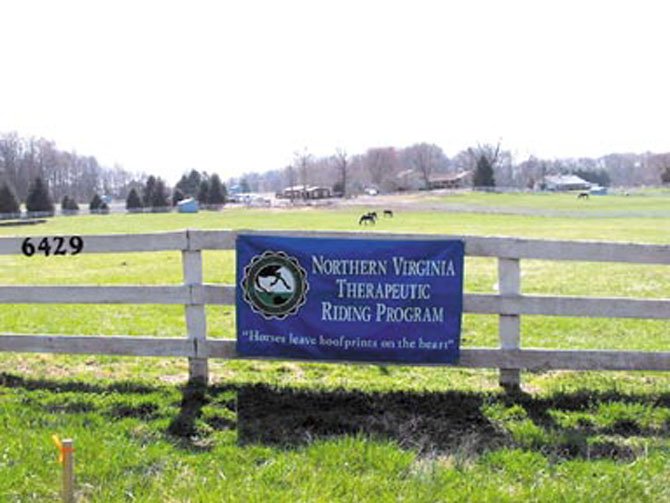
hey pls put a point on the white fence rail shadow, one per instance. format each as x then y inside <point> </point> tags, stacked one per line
<point>509,304</point>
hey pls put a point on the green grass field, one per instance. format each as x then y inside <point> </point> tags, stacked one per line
<point>642,203</point>
<point>285,431</point>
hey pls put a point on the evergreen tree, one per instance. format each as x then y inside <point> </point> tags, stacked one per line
<point>148,191</point>
<point>203,192</point>
<point>69,205</point>
<point>133,201</point>
<point>95,204</point>
<point>177,195</point>
<point>39,199</point>
<point>665,175</point>
<point>182,184</point>
<point>483,176</point>
<point>194,181</point>
<point>9,203</point>
<point>155,194</point>
<point>159,197</point>
<point>190,184</point>
<point>216,193</point>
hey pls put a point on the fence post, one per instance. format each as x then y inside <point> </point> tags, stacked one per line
<point>196,320</point>
<point>509,325</point>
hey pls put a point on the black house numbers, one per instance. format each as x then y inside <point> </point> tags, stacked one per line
<point>52,246</point>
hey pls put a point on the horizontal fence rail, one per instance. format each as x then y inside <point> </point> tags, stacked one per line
<point>613,307</point>
<point>509,304</point>
<point>530,359</point>
<point>114,243</point>
<point>475,246</point>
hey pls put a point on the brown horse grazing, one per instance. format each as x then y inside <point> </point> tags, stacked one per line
<point>388,213</point>
<point>583,195</point>
<point>367,218</point>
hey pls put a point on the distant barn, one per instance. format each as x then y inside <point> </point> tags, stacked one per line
<point>565,182</point>
<point>305,192</point>
<point>456,181</point>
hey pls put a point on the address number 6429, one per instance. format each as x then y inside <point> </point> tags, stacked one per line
<point>51,246</point>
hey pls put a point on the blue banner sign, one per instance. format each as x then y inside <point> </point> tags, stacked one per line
<point>349,299</point>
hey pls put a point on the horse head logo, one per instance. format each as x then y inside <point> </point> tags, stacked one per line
<point>274,285</point>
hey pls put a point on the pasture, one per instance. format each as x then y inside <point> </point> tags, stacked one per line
<point>641,202</point>
<point>285,431</point>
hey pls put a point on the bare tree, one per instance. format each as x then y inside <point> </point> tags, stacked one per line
<point>486,150</point>
<point>626,169</point>
<point>660,165</point>
<point>341,159</point>
<point>10,156</point>
<point>531,172</point>
<point>290,180</point>
<point>425,158</point>
<point>66,173</point>
<point>382,165</point>
<point>302,161</point>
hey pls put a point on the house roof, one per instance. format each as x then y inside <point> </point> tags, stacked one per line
<point>566,180</point>
<point>406,172</point>
<point>307,188</point>
<point>450,178</point>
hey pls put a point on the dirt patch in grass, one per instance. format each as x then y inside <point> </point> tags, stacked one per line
<point>74,407</point>
<point>430,422</point>
<point>144,411</point>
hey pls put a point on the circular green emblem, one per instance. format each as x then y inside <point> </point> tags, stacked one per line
<point>274,285</point>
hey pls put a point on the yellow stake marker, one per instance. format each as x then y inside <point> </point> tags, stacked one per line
<point>66,458</point>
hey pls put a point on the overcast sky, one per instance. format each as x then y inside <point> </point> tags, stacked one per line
<point>232,87</point>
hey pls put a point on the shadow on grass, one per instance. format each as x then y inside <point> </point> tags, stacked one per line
<point>55,386</point>
<point>185,425</point>
<point>585,401</point>
<point>428,423</point>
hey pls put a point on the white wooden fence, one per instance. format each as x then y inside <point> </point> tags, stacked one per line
<point>509,304</point>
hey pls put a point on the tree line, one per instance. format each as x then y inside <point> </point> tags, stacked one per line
<point>22,160</point>
<point>34,172</point>
<point>154,196</point>
<point>209,191</point>
<point>392,169</point>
